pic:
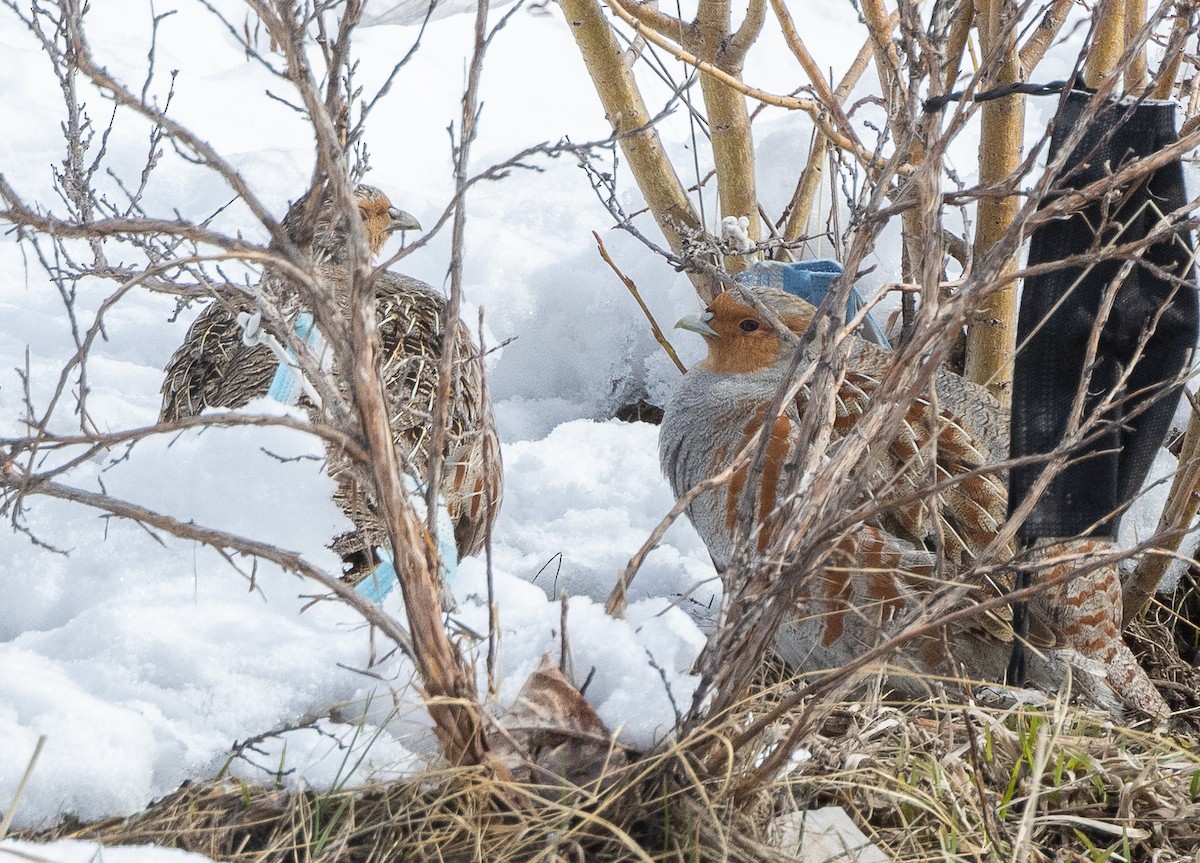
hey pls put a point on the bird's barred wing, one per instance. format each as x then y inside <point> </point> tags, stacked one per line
<point>214,368</point>
<point>411,335</point>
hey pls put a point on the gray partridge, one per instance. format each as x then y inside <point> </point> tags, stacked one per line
<point>890,567</point>
<point>215,367</point>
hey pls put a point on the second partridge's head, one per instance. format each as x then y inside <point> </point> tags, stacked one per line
<point>380,218</point>
<point>331,228</point>
<point>739,338</point>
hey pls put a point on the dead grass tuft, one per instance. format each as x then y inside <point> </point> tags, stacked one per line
<point>926,781</point>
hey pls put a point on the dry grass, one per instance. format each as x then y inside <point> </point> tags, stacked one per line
<point>934,780</point>
<point>446,816</point>
<point>938,780</point>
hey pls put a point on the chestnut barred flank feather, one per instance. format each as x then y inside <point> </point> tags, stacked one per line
<point>915,542</point>
<point>214,368</point>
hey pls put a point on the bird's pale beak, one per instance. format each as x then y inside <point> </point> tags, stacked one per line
<point>697,324</point>
<point>402,221</point>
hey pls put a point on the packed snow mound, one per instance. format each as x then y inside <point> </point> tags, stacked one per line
<point>78,851</point>
<point>637,669</point>
<point>580,502</point>
<point>143,658</point>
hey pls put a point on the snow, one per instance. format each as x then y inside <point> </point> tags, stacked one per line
<point>76,851</point>
<point>144,659</point>
<point>637,668</point>
<point>596,486</point>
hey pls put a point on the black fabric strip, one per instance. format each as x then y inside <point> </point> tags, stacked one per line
<point>1052,88</point>
<point>1059,310</point>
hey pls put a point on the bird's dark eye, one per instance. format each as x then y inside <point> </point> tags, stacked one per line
<point>749,325</point>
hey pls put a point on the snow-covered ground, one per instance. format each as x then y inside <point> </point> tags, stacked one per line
<point>143,659</point>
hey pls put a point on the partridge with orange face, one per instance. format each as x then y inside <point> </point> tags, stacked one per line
<point>915,541</point>
<point>216,367</point>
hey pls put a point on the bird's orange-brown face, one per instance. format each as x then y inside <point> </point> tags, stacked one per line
<point>380,218</point>
<point>374,212</point>
<point>739,338</point>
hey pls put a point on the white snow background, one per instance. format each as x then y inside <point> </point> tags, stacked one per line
<point>141,658</point>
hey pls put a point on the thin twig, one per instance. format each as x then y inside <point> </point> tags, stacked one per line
<point>628,282</point>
